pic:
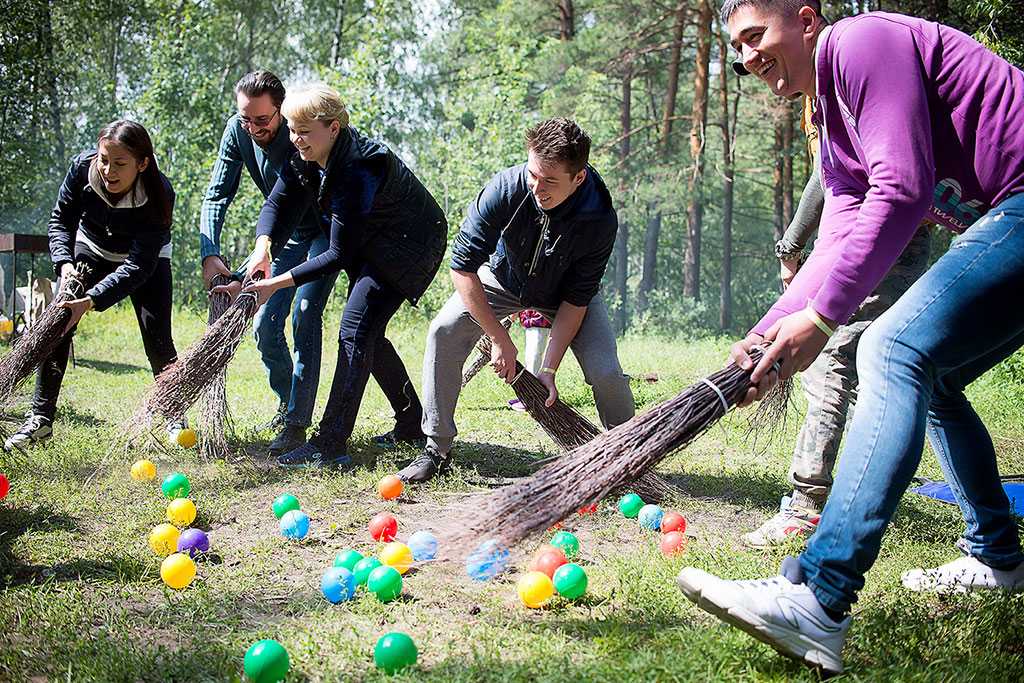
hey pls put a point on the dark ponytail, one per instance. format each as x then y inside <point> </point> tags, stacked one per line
<point>134,137</point>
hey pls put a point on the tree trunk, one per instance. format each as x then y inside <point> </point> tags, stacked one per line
<point>779,216</point>
<point>649,275</point>
<point>339,30</point>
<point>56,110</point>
<point>699,112</point>
<point>787,163</point>
<point>622,236</point>
<point>566,20</point>
<point>728,174</point>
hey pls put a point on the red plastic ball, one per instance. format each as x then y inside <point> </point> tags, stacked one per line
<point>547,560</point>
<point>5,486</point>
<point>588,509</point>
<point>383,527</point>
<point>672,543</point>
<point>673,521</point>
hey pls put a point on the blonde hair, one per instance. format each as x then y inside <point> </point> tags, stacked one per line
<point>314,102</point>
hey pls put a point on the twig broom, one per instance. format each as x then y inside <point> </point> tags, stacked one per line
<point>610,460</point>
<point>214,420</point>
<point>483,356</point>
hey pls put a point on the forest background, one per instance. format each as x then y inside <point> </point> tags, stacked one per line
<point>705,168</point>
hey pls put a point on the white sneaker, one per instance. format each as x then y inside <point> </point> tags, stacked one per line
<point>787,523</point>
<point>964,574</point>
<point>782,614</point>
<point>36,428</point>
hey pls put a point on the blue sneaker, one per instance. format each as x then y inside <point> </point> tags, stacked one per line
<point>311,455</point>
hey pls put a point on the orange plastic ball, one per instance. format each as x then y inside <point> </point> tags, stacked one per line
<point>673,521</point>
<point>672,543</point>
<point>547,560</point>
<point>390,487</point>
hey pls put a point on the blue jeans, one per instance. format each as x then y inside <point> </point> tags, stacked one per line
<point>960,319</point>
<point>295,383</point>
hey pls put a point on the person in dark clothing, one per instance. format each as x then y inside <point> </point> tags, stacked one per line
<point>386,231</point>
<point>113,215</point>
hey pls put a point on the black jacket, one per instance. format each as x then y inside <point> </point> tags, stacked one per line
<point>373,208</point>
<point>544,258</point>
<point>137,231</point>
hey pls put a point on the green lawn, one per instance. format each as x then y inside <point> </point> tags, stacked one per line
<point>81,596</point>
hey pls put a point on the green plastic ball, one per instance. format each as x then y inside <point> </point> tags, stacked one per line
<point>570,581</point>
<point>385,582</point>
<point>175,486</point>
<point>364,568</point>
<point>569,544</point>
<point>394,651</point>
<point>266,662</point>
<point>284,504</point>
<point>630,504</point>
<point>348,559</point>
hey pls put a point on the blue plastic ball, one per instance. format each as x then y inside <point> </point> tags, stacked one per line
<point>487,561</point>
<point>295,524</point>
<point>650,516</point>
<point>338,585</point>
<point>423,545</point>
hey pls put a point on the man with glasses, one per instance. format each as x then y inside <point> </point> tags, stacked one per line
<point>257,138</point>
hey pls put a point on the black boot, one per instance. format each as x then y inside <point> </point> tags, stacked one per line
<point>277,422</point>
<point>428,464</point>
<point>289,438</point>
<point>312,455</point>
<point>394,439</point>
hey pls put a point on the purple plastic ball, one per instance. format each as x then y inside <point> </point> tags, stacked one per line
<point>194,542</point>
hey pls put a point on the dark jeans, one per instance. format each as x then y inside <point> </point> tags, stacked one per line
<point>362,347</point>
<point>152,302</point>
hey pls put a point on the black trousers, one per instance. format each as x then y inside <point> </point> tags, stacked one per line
<point>362,347</point>
<point>152,302</point>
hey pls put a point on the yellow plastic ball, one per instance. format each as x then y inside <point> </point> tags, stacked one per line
<point>181,512</point>
<point>397,555</point>
<point>535,589</point>
<point>178,570</point>
<point>143,470</point>
<point>163,539</point>
<point>186,438</point>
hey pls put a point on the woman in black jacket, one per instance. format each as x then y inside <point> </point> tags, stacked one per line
<point>387,232</point>
<point>113,215</point>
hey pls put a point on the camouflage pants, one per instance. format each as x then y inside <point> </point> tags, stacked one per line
<point>830,383</point>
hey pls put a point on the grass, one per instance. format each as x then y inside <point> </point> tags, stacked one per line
<point>81,597</point>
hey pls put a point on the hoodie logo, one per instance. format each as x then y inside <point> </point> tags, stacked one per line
<point>949,205</point>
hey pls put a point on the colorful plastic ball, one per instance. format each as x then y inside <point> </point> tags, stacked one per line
<point>181,512</point>
<point>394,651</point>
<point>383,527</point>
<point>547,560</point>
<point>5,486</point>
<point>588,509</point>
<point>186,438</point>
<point>175,486</point>
<point>385,582</point>
<point>672,543</point>
<point>673,521</point>
<point>266,661</point>
<point>143,470</point>
<point>285,503</point>
<point>397,555</point>
<point>295,525</point>
<point>650,516</point>
<point>630,504</point>
<point>177,570</point>
<point>364,567</point>
<point>569,544</point>
<point>163,539</point>
<point>570,581</point>
<point>194,542</point>
<point>535,589</point>
<point>390,487</point>
<point>338,585</point>
<point>423,545</point>
<point>487,561</point>
<point>348,559</point>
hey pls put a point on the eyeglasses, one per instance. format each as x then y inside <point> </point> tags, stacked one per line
<point>259,121</point>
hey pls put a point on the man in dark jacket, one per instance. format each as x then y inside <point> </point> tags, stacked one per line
<point>538,236</point>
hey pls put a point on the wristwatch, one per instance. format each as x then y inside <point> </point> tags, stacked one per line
<point>784,252</point>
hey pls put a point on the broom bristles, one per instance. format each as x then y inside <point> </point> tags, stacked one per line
<point>215,421</point>
<point>40,339</point>
<point>483,356</point>
<point>589,473</point>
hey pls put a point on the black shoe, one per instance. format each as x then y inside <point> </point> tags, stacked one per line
<point>277,422</point>
<point>428,464</point>
<point>309,455</point>
<point>392,440</point>
<point>290,438</point>
<point>36,428</point>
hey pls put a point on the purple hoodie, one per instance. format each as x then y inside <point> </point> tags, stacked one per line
<point>917,119</point>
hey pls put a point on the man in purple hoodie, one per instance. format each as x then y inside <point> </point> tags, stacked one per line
<point>916,119</point>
